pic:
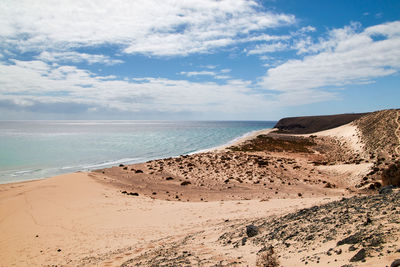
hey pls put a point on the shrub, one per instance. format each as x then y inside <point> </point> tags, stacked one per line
<point>267,258</point>
<point>391,175</point>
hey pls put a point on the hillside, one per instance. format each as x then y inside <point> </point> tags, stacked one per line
<point>311,124</point>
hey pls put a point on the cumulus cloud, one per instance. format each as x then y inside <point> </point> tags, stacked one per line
<point>347,56</point>
<point>162,28</point>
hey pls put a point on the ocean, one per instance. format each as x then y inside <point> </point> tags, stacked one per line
<point>38,149</point>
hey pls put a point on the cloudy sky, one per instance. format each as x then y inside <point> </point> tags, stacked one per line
<point>197,59</point>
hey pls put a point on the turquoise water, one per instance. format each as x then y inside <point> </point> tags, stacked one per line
<point>38,149</point>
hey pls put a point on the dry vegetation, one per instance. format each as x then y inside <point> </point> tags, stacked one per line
<point>391,175</point>
<point>267,258</point>
<point>378,132</point>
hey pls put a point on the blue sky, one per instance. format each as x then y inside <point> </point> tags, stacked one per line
<point>198,59</point>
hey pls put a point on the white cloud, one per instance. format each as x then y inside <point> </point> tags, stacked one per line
<point>45,85</point>
<point>76,57</point>
<point>346,57</point>
<point>222,77</point>
<point>216,74</point>
<point>267,48</point>
<point>197,73</point>
<point>162,28</point>
<point>306,29</point>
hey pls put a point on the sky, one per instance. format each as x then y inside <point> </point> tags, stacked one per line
<point>197,59</point>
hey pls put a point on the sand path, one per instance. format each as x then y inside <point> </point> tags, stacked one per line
<point>73,219</point>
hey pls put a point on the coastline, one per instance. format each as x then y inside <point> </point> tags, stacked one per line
<point>195,208</point>
<point>91,167</point>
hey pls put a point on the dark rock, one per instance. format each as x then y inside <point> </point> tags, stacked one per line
<point>124,192</point>
<point>59,250</point>
<point>251,230</point>
<point>169,178</point>
<point>133,194</point>
<point>310,237</point>
<point>138,171</point>
<point>352,239</point>
<point>368,221</point>
<point>185,183</point>
<point>386,189</point>
<point>125,168</point>
<point>262,163</point>
<point>359,256</point>
<point>121,165</point>
<point>395,263</point>
<point>244,240</point>
<point>371,186</point>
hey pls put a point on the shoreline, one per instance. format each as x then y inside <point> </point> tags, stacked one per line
<point>110,164</point>
<point>195,209</point>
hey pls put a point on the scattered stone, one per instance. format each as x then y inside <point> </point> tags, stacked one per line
<point>251,230</point>
<point>169,178</point>
<point>185,183</point>
<point>138,171</point>
<point>352,239</point>
<point>352,248</point>
<point>395,263</point>
<point>371,186</point>
<point>368,221</point>
<point>386,189</point>
<point>359,256</point>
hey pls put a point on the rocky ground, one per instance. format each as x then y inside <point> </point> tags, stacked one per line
<point>358,230</point>
<point>362,228</point>
<point>272,165</point>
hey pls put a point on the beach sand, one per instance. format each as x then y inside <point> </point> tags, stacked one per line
<point>194,209</point>
<point>73,219</point>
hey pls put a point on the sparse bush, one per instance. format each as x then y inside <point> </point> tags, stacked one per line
<point>391,175</point>
<point>267,258</point>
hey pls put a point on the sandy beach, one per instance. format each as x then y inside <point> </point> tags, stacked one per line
<point>304,194</point>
